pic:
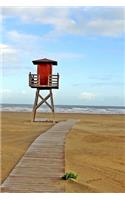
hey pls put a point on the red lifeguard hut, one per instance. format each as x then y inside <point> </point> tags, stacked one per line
<point>43,80</point>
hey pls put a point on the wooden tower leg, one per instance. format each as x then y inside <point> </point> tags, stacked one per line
<point>35,104</point>
<point>52,102</point>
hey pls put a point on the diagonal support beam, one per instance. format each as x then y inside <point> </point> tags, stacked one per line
<point>46,102</point>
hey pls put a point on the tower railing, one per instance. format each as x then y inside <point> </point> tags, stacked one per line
<point>53,81</point>
<point>34,80</point>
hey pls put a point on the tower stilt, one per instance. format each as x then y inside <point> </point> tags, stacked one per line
<point>52,102</point>
<point>35,104</point>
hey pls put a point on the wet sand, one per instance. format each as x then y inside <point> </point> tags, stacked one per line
<point>95,148</point>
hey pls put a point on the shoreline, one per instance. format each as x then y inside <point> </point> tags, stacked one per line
<point>66,109</point>
<point>67,113</point>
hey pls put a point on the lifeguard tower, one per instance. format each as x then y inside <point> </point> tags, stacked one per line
<point>43,80</point>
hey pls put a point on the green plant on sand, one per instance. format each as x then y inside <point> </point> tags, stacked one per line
<point>69,176</point>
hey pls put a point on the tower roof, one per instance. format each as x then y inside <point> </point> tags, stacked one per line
<point>44,60</point>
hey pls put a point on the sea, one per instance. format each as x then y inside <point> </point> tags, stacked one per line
<point>65,109</point>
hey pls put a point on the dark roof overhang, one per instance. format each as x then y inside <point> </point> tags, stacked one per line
<point>44,60</point>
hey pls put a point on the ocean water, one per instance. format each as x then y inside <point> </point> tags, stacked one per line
<point>65,109</point>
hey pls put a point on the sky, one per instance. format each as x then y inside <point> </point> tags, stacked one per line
<point>87,42</point>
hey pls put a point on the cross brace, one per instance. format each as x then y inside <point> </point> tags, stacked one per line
<point>43,100</point>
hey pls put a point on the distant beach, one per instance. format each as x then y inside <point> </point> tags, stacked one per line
<point>65,109</point>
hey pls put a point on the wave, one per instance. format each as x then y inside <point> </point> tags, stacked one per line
<point>65,109</point>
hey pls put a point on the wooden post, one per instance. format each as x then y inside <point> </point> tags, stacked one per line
<point>52,104</point>
<point>51,99</point>
<point>35,104</point>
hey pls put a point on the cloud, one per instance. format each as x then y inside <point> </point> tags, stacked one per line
<point>60,22</point>
<point>1,21</point>
<point>11,95</point>
<point>22,41</point>
<point>15,35</point>
<point>87,96</point>
<point>106,27</point>
<point>8,55</point>
<point>32,43</point>
<point>6,49</point>
<point>5,91</point>
<point>100,21</point>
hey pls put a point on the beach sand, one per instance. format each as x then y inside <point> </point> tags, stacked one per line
<point>95,148</point>
<point>18,132</point>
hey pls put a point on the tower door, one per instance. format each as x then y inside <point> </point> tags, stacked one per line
<point>44,70</point>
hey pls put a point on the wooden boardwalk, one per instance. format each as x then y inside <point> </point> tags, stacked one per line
<point>42,166</point>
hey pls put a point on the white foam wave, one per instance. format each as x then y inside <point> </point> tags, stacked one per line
<point>65,109</point>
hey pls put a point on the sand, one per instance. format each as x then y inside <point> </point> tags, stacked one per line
<point>18,132</point>
<point>95,148</point>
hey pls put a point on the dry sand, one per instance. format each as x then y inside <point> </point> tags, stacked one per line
<point>18,132</point>
<point>95,148</point>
